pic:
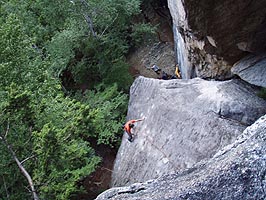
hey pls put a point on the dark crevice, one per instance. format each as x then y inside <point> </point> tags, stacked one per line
<point>132,191</point>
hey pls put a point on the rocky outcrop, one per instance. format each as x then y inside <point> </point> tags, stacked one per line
<point>186,121</point>
<point>236,172</point>
<point>252,69</point>
<point>211,36</point>
<point>160,54</point>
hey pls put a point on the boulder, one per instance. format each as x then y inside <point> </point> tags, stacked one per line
<point>236,172</point>
<point>210,36</point>
<point>252,69</point>
<point>186,121</point>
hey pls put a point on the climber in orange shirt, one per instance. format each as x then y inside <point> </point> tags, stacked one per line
<point>128,126</point>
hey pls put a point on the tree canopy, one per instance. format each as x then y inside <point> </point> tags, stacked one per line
<point>45,120</point>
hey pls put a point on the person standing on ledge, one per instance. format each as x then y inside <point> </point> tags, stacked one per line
<point>128,126</point>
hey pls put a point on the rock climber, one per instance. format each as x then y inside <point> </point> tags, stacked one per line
<point>128,126</point>
<point>177,72</point>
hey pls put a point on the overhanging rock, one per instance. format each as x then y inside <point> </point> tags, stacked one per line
<point>210,36</point>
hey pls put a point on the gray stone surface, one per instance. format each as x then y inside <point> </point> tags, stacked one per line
<point>186,121</point>
<point>210,36</point>
<point>236,172</point>
<point>252,69</point>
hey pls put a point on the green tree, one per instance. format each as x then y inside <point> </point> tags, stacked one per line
<point>50,129</point>
<point>41,19</point>
<point>106,104</point>
<point>96,40</point>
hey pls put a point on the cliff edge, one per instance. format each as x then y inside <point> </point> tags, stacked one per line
<point>236,172</point>
<point>187,121</point>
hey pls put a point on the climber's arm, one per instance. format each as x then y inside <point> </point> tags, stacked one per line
<point>137,120</point>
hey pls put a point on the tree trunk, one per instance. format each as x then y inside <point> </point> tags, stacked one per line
<point>19,164</point>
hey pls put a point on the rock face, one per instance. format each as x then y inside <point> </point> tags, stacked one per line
<point>252,69</point>
<point>186,121</point>
<point>236,172</point>
<point>211,36</point>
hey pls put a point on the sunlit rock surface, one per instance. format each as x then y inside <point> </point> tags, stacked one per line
<point>186,121</point>
<point>236,172</point>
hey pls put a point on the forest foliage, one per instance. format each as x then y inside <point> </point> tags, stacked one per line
<point>47,50</point>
